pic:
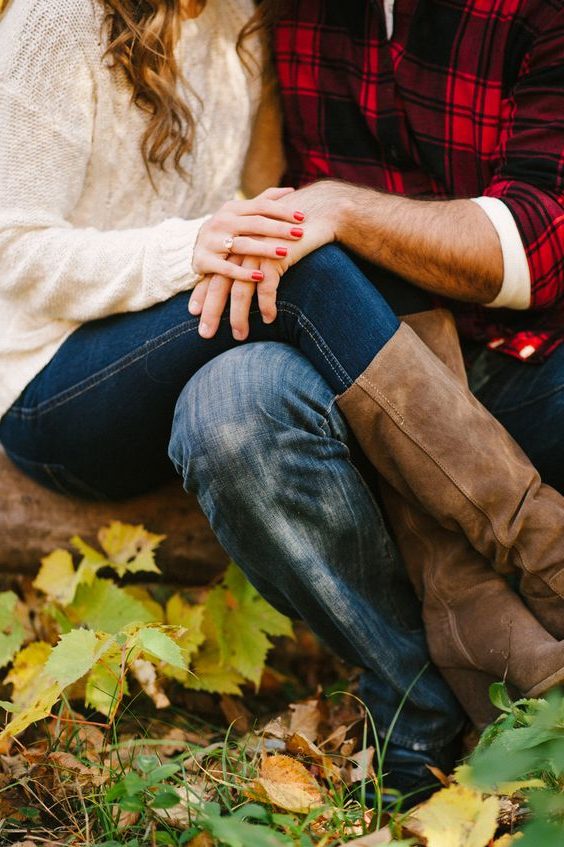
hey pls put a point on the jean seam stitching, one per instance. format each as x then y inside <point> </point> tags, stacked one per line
<point>317,339</point>
<point>116,367</point>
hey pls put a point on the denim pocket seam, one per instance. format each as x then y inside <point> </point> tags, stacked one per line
<point>92,381</point>
<point>62,479</point>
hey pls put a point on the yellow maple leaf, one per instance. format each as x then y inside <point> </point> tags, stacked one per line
<point>129,548</point>
<point>24,674</point>
<point>507,840</point>
<point>456,816</point>
<point>286,783</point>
<point>190,618</point>
<point>39,709</point>
<point>57,577</point>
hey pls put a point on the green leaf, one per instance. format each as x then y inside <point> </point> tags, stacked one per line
<point>133,783</point>
<point>500,698</point>
<point>236,833</point>
<point>191,618</point>
<point>161,646</point>
<point>162,773</point>
<point>104,682</point>
<point>105,607</point>
<point>248,654</point>
<point>72,657</point>
<point>11,629</point>
<point>165,799</point>
<point>542,832</point>
<point>147,763</point>
<point>213,676</point>
<point>262,614</point>
<point>253,812</point>
<point>239,620</point>
<point>132,804</point>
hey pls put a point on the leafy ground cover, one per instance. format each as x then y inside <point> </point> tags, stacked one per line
<point>140,715</point>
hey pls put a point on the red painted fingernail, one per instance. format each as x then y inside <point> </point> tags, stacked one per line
<point>281,251</point>
<point>257,276</point>
<point>297,232</point>
<point>299,216</point>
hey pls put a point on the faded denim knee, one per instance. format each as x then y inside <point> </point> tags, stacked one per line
<point>235,409</point>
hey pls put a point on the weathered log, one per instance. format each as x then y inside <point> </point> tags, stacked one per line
<point>34,521</point>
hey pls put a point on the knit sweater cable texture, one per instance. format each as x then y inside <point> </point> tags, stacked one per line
<point>83,233</point>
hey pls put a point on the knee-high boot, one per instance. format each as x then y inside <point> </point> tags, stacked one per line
<point>439,447</point>
<point>475,623</point>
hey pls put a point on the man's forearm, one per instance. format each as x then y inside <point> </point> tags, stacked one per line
<point>448,247</point>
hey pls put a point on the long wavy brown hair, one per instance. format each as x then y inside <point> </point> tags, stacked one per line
<point>142,38</point>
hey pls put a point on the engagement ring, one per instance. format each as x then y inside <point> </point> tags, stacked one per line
<point>228,243</point>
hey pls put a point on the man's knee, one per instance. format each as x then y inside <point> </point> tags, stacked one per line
<point>233,409</point>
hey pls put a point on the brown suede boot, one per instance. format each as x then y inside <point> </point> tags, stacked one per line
<point>459,589</point>
<point>478,630</point>
<point>437,446</point>
<point>437,330</point>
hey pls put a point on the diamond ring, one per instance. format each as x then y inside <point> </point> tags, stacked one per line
<point>228,243</point>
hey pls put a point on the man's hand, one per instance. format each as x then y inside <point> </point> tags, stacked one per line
<point>448,247</point>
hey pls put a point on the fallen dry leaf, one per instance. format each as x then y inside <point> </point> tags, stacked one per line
<point>305,718</point>
<point>84,774</point>
<point>336,739</point>
<point>286,783</point>
<point>382,836</point>
<point>299,745</point>
<point>203,839</point>
<point>455,817</point>
<point>146,675</point>
<point>276,729</point>
<point>348,747</point>
<point>360,766</point>
<point>125,819</point>
<point>441,777</point>
<point>89,738</point>
<point>236,713</point>
<point>179,739</point>
<point>194,793</point>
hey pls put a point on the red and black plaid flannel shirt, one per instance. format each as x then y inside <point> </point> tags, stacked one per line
<point>466,99</point>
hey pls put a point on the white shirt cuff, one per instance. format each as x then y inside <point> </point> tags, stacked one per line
<point>515,292</point>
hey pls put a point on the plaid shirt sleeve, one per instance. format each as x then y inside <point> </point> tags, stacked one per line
<point>529,177</point>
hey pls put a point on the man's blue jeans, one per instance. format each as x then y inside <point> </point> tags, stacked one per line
<point>257,435</point>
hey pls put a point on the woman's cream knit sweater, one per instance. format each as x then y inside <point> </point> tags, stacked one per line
<point>83,234</point>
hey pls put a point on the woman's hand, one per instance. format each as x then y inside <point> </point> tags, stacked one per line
<point>260,227</point>
<point>210,296</point>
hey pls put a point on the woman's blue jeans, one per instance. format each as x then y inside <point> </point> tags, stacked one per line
<point>258,437</point>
